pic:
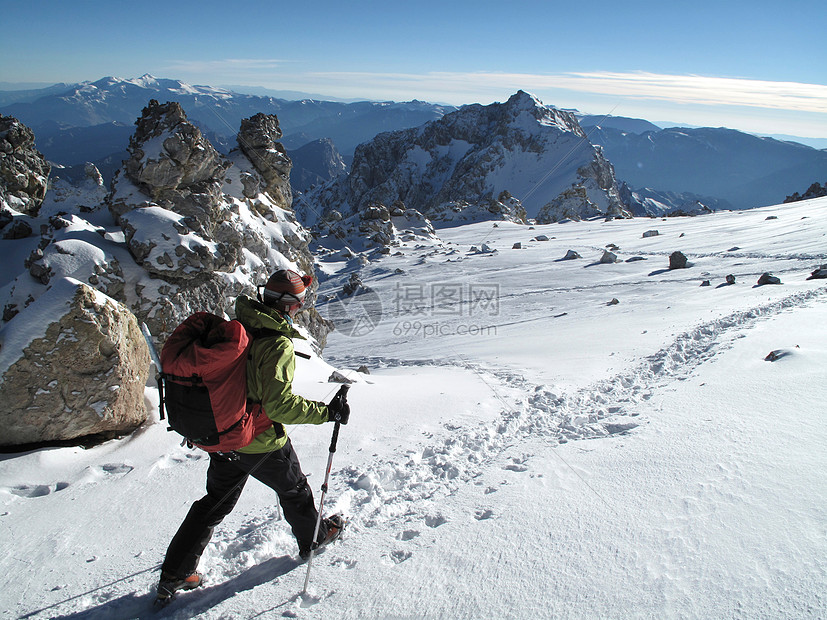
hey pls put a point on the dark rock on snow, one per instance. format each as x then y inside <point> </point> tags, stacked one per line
<point>677,260</point>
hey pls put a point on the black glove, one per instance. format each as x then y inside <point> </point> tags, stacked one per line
<point>338,410</point>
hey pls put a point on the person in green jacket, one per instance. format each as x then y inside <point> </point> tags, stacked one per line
<point>270,457</point>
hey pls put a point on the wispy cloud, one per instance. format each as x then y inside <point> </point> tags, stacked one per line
<point>679,89</point>
<point>227,65</point>
<point>697,89</point>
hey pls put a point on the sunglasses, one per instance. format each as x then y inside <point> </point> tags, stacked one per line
<point>272,298</point>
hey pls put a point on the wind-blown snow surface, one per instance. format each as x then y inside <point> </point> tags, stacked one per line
<point>533,453</point>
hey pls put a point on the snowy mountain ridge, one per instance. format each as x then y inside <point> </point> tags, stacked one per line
<point>508,161</point>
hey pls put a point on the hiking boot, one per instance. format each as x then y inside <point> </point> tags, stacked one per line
<point>169,585</point>
<point>335,524</point>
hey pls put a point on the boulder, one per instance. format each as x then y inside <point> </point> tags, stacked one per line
<point>650,233</point>
<point>777,354</point>
<point>677,260</point>
<point>820,273</point>
<point>352,285</point>
<point>608,257</point>
<point>19,229</point>
<point>767,278</point>
<point>730,279</point>
<point>81,374</point>
<point>571,255</point>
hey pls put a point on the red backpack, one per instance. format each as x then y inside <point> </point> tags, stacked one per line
<point>204,387</point>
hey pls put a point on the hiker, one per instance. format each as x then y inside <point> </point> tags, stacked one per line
<point>270,457</point>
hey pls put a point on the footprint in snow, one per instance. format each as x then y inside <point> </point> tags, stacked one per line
<point>345,564</point>
<point>517,464</point>
<point>435,520</point>
<point>117,468</point>
<point>400,556</point>
<point>516,467</point>
<point>36,490</point>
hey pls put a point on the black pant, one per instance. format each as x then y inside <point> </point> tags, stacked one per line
<point>279,470</point>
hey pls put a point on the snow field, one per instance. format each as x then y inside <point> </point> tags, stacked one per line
<point>582,460</point>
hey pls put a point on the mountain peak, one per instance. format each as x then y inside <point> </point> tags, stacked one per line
<point>522,99</point>
<point>531,110</point>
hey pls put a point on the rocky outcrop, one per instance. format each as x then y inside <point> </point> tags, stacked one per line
<point>649,202</point>
<point>816,190</point>
<point>83,373</point>
<point>24,172</point>
<point>183,229</point>
<point>572,204</point>
<point>204,227</point>
<point>258,140</point>
<point>503,161</point>
<point>379,226</point>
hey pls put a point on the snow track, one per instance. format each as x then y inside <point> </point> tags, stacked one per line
<point>384,489</point>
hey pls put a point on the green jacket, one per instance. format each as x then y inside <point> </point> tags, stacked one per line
<point>270,369</point>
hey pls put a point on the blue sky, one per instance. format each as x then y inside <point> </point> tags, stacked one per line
<point>759,66</point>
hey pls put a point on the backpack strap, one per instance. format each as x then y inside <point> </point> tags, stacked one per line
<point>265,332</point>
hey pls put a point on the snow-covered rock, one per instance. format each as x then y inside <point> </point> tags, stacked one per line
<point>23,170</point>
<point>74,365</point>
<point>504,161</point>
<point>70,192</point>
<point>258,140</point>
<point>204,227</point>
<point>378,226</point>
<point>184,229</point>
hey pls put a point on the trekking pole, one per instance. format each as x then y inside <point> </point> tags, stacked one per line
<point>332,451</point>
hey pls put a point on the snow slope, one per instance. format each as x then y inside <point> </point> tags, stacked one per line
<point>521,448</point>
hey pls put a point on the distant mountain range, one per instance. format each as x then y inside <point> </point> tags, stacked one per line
<point>110,101</point>
<point>742,169</point>
<point>92,121</point>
